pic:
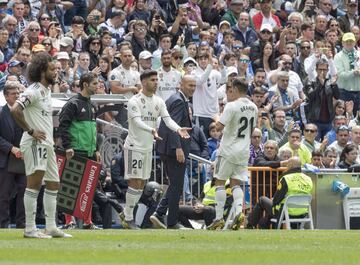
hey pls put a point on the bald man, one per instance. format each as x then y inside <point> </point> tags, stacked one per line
<point>293,182</point>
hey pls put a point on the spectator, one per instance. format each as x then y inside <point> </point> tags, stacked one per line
<point>140,40</point>
<point>350,18</point>
<point>145,58</point>
<point>140,11</point>
<point>164,44</point>
<point>24,42</point>
<point>329,158</point>
<point>232,15</point>
<point>205,96</point>
<point>77,33</point>
<point>316,159</point>
<point>169,79</point>
<point>66,73</point>
<point>10,24</point>
<point>310,131</point>
<point>94,48</point>
<point>299,62</point>
<point>297,148</point>
<point>267,59</point>
<point>256,146</point>
<point>266,17</point>
<point>56,11</point>
<point>54,32</point>
<point>348,156</point>
<point>93,21</point>
<point>4,48</point>
<point>105,69</point>
<point>115,25</point>
<point>346,63</point>
<point>355,121</point>
<point>337,122</point>
<point>320,27</point>
<point>342,138</point>
<point>44,22</point>
<point>320,93</point>
<point>158,27</point>
<point>243,32</point>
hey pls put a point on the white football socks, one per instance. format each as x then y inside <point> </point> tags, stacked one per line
<point>220,198</point>
<point>238,196</point>
<point>30,203</point>
<point>132,198</point>
<point>50,208</point>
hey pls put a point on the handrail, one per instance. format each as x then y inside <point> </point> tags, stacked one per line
<point>200,159</point>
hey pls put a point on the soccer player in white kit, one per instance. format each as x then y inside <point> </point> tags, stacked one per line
<point>33,112</point>
<point>143,111</point>
<point>237,122</point>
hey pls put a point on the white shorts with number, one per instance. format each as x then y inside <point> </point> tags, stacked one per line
<point>137,164</point>
<point>40,157</point>
<point>225,169</point>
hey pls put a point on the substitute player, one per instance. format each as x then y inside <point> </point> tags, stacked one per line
<point>33,112</point>
<point>237,121</point>
<point>143,111</point>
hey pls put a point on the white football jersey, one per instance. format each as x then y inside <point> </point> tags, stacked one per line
<point>36,102</point>
<point>239,119</point>
<point>149,109</point>
<point>127,78</point>
<point>169,83</point>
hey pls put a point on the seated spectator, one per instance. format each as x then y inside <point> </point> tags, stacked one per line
<point>297,148</point>
<point>310,132</point>
<point>342,138</point>
<point>279,132</point>
<point>273,207</point>
<point>348,156</point>
<point>115,25</point>
<point>256,146</point>
<point>316,159</point>
<point>77,33</point>
<point>329,158</point>
<point>214,139</point>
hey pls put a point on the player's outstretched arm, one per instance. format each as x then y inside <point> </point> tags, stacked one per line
<point>184,132</point>
<point>155,134</point>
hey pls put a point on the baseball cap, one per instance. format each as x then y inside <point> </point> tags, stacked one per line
<point>66,41</point>
<point>224,22</point>
<point>145,55</point>
<point>189,60</point>
<point>348,36</point>
<point>352,2</point>
<point>231,70</point>
<point>62,55</point>
<point>236,2</point>
<point>267,27</point>
<point>4,1</point>
<point>15,63</point>
<point>38,48</point>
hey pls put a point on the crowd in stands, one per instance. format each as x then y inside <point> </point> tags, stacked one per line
<point>301,59</point>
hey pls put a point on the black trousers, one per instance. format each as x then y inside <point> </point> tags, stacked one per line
<point>175,172</point>
<point>187,212</point>
<point>11,184</point>
<point>204,124</point>
<point>256,216</point>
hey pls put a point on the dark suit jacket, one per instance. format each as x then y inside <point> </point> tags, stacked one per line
<point>178,109</point>
<point>10,135</point>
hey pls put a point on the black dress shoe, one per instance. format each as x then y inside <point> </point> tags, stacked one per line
<point>178,226</point>
<point>158,221</point>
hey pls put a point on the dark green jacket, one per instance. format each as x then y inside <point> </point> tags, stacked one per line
<point>77,126</point>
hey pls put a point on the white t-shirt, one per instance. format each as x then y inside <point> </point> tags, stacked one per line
<point>239,119</point>
<point>205,98</point>
<point>36,102</point>
<point>149,109</point>
<point>127,78</point>
<point>169,83</point>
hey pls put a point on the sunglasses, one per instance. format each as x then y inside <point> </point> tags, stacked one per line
<point>265,32</point>
<point>305,47</point>
<point>310,131</point>
<point>237,47</point>
<point>244,60</point>
<point>178,57</point>
<point>95,43</point>
<point>45,18</point>
<point>46,44</point>
<point>34,30</point>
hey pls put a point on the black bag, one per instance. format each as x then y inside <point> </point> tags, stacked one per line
<point>16,165</point>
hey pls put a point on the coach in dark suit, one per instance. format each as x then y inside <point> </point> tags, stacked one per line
<point>10,182</point>
<point>174,151</point>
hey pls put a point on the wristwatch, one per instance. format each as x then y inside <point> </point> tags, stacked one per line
<point>30,132</point>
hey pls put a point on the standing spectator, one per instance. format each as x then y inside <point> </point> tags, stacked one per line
<point>144,109</point>
<point>351,18</point>
<point>278,132</point>
<point>117,5</point>
<point>33,113</point>
<point>243,32</point>
<point>18,13</point>
<point>266,17</point>
<point>55,9</point>
<point>10,136</point>
<point>205,101</point>
<point>140,11</point>
<point>77,127</point>
<point>348,67</point>
<point>77,33</point>
<point>320,27</point>
<point>320,93</point>
<point>169,79</point>
<point>140,41</point>
<point>44,22</point>
<point>158,27</point>
<point>4,48</point>
<point>115,25</point>
<point>10,24</point>
<point>299,66</point>
<point>232,15</point>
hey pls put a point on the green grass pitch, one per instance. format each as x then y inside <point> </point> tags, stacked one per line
<point>184,247</point>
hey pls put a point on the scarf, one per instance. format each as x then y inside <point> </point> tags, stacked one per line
<point>352,57</point>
